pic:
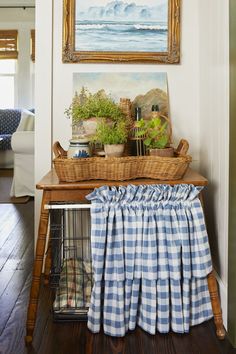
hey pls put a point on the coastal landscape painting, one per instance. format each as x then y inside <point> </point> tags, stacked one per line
<point>135,26</point>
<point>143,89</point>
<point>124,31</point>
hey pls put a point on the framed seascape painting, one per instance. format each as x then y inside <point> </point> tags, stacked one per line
<point>121,31</point>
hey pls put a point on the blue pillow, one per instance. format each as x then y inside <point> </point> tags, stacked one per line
<point>9,120</point>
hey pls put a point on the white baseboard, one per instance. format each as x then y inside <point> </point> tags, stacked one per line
<point>223,289</point>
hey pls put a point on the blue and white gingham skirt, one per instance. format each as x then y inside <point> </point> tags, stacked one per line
<point>150,257</point>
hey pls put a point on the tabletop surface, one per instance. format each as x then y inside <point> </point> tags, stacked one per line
<point>50,182</point>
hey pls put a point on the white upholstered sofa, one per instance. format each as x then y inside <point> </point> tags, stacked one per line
<point>22,143</point>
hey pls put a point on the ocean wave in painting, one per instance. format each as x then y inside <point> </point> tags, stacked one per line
<point>90,27</point>
<point>121,27</point>
<point>139,36</point>
<point>151,27</point>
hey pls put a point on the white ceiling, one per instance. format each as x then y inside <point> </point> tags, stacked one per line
<point>17,2</point>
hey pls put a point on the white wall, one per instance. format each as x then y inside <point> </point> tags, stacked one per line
<point>214,128</point>
<point>43,95</point>
<point>23,21</point>
<point>191,97</point>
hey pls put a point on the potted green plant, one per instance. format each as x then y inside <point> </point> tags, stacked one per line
<point>156,135</point>
<point>113,136</point>
<point>87,108</point>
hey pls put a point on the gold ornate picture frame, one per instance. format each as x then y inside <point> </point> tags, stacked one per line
<point>105,31</point>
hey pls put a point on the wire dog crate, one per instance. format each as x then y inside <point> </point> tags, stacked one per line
<point>71,275</point>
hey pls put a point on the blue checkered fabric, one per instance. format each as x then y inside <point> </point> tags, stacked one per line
<point>151,259</point>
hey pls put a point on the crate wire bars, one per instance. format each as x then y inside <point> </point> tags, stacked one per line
<point>71,275</point>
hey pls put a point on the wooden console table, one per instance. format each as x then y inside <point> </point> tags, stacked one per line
<point>55,191</point>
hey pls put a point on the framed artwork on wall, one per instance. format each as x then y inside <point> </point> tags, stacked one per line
<point>121,31</point>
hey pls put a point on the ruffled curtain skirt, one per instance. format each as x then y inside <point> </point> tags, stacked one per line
<point>151,259</point>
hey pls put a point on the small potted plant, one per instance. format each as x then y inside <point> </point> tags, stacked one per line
<point>156,136</point>
<point>87,109</point>
<point>113,136</point>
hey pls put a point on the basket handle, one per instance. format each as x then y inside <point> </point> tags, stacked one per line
<point>182,148</point>
<point>58,150</point>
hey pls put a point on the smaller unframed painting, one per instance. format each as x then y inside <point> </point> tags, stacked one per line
<point>143,89</point>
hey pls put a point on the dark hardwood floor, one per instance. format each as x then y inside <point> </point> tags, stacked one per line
<point>16,260</point>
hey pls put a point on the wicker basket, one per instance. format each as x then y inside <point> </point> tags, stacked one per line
<point>121,168</point>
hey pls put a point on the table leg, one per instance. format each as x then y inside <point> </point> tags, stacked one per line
<point>215,300</point>
<point>37,269</point>
<point>215,303</point>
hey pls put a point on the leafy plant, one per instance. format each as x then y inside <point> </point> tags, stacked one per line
<point>155,132</point>
<point>87,105</point>
<point>112,133</point>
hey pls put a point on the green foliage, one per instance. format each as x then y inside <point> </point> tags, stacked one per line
<point>155,132</point>
<point>87,105</point>
<point>113,133</point>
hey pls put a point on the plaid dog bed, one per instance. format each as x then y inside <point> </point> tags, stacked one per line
<point>75,286</point>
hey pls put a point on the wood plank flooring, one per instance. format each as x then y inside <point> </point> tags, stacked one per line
<point>16,259</point>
